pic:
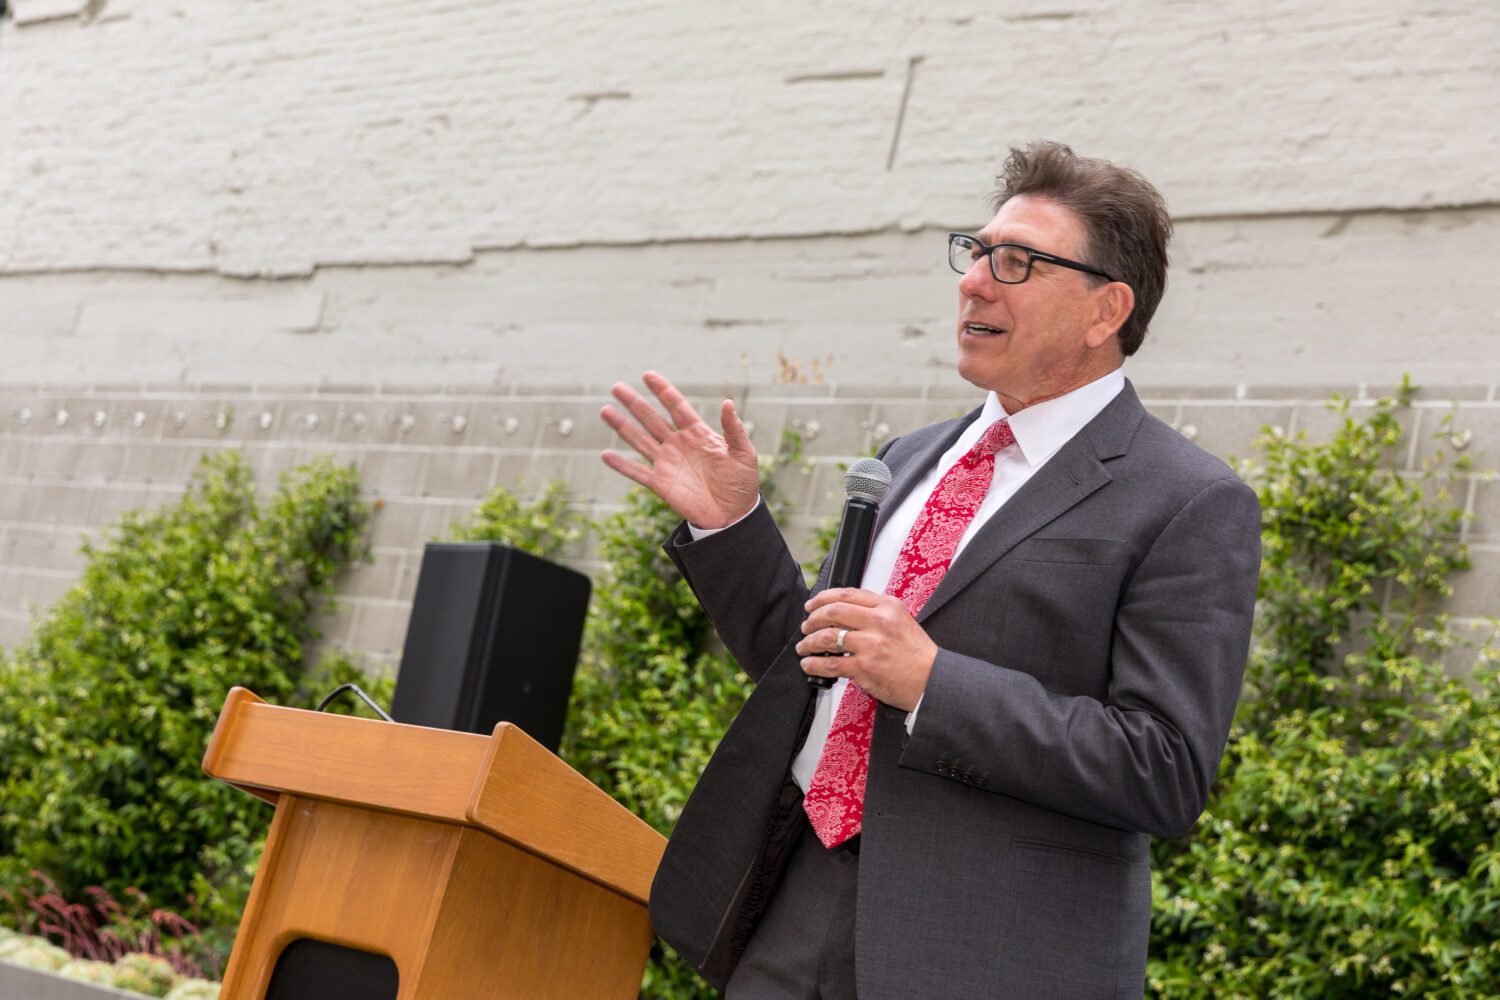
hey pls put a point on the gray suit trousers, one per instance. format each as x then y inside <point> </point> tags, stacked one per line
<point>803,947</point>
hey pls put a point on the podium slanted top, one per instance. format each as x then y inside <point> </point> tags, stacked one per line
<point>506,783</point>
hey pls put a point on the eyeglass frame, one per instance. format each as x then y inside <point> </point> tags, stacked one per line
<point>1032,256</point>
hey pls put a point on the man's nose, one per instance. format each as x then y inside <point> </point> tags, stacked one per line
<point>978,282</point>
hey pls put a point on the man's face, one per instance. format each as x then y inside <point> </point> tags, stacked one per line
<point>1039,351</point>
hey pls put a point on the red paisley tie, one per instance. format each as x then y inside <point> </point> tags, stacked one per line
<point>835,799</point>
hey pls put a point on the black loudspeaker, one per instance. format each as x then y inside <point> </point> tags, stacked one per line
<point>494,637</point>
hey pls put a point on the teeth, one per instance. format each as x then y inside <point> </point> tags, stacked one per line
<point>982,328</point>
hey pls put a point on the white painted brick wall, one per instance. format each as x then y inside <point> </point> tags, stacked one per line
<point>271,137</point>
<point>1318,299</point>
<point>563,193</point>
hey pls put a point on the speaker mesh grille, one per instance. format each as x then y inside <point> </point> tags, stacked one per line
<point>317,970</point>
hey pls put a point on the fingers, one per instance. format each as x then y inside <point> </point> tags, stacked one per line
<point>683,416</point>
<point>735,434</point>
<point>627,468</point>
<point>825,666</point>
<point>820,655</point>
<point>846,607</point>
<point>845,595</point>
<point>677,406</point>
<point>646,445</point>
<point>859,611</point>
<point>642,410</point>
<point>837,616</point>
<point>826,640</point>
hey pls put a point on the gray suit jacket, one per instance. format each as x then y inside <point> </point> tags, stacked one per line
<point>1092,637</point>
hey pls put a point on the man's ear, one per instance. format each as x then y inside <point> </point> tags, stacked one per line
<point>1114,304</point>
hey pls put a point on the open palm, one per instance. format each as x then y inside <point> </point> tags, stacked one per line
<point>709,479</point>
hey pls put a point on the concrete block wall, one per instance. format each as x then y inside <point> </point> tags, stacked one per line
<point>72,458</point>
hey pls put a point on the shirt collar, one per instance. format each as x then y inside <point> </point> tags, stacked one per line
<point>1043,428</point>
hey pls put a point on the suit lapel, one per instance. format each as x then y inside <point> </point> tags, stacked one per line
<point>911,472</point>
<point>916,468</point>
<point>1076,471</point>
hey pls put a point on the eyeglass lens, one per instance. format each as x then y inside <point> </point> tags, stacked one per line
<point>1007,264</point>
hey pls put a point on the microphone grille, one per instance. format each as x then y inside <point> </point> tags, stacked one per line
<point>868,479</point>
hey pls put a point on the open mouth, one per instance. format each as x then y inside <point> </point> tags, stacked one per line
<point>981,330</point>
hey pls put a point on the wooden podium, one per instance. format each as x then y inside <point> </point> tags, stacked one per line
<point>482,867</point>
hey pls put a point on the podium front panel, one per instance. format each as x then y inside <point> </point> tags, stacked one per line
<point>462,915</point>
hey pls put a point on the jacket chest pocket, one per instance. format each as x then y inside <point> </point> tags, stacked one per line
<point>1048,608</point>
<point>1065,583</point>
<point>1069,551</point>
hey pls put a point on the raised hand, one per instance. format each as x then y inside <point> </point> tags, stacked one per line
<point>710,480</point>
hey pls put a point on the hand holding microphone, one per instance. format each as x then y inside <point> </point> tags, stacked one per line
<point>867,483</point>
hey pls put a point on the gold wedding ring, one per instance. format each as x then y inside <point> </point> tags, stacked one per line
<point>839,645</point>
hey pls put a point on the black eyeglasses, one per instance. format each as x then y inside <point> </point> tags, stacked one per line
<point>1010,263</point>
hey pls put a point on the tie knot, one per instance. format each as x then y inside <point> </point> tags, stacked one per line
<point>998,436</point>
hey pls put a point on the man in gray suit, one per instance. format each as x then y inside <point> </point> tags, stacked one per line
<point>1043,659</point>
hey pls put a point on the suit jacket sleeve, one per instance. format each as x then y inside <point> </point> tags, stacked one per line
<point>748,583</point>
<point>1143,757</point>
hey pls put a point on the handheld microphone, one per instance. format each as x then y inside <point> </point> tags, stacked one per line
<point>867,482</point>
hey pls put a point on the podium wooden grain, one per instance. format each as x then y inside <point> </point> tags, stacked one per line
<point>484,867</point>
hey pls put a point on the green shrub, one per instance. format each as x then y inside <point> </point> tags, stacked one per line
<point>89,971</point>
<point>151,975</point>
<point>194,989</point>
<point>1352,845</point>
<point>34,953</point>
<point>1340,521</point>
<point>542,526</point>
<point>104,929</point>
<point>106,710</point>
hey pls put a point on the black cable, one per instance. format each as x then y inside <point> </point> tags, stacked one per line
<point>362,696</point>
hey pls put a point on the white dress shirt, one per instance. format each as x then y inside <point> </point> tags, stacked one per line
<point>1040,431</point>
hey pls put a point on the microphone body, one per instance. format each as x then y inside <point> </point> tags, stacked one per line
<point>851,549</point>
<point>867,481</point>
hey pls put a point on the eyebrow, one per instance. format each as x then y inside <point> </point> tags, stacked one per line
<point>1014,240</point>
